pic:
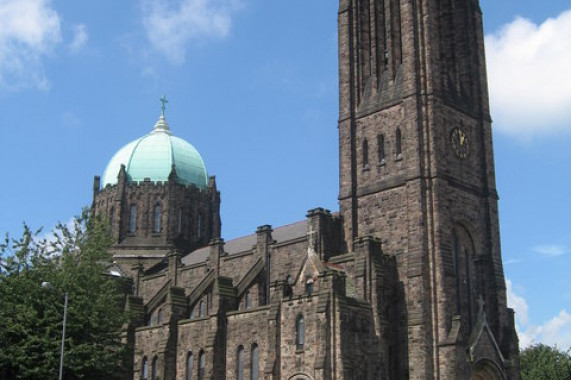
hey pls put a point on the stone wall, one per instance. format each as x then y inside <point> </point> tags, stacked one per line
<point>401,283</point>
<point>426,85</point>
<point>189,217</point>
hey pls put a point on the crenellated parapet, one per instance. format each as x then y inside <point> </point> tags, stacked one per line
<point>325,233</point>
<point>159,215</point>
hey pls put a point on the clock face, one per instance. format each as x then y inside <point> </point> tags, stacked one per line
<point>460,142</point>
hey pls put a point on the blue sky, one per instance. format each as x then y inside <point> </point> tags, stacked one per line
<point>252,84</point>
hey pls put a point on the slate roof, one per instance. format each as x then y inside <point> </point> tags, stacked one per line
<point>196,257</point>
<point>245,243</point>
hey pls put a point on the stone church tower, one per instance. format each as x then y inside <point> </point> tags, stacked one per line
<point>158,198</point>
<point>417,172</point>
<point>404,282</point>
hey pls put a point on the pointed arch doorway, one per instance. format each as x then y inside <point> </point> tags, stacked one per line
<point>486,369</point>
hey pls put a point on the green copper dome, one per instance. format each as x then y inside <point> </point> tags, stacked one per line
<point>153,155</point>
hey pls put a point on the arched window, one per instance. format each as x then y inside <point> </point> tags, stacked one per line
<point>133,218</point>
<point>154,369</point>
<point>191,314</point>
<point>240,366</point>
<point>456,269</point>
<point>201,365</point>
<point>299,332</point>
<point>159,316</point>
<point>263,293</point>
<point>396,34</point>
<point>111,216</point>
<point>152,319</point>
<point>398,143</point>
<point>309,287</point>
<point>201,309</point>
<point>145,370</point>
<point>381,148</point>
<point>179,225</point>
<point>465,275</point>
<point>254,362</point>
<point>189,366</point>
<point>365,154</point>
<point>248,299</point>
<point>157,218</point>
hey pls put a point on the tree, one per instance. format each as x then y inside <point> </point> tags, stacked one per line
<point>74,260</point>
<point>541,362</point>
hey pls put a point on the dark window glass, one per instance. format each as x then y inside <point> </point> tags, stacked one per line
<point>248,299</point>
<point>157,219</point>
<point>365,153</point>
<point>202,365</point>
<point>240,368</point>
<point>160,316</point>
<point>381,148</point>
<point>154,371</point>
<point>300,333</point>
<point>201,309</point>
<point>255,358</point>
<point>145,370</point>
<point>133,218</point>
<point>189,366</point>
<point>398,143</point>
<point>455,251</point>
<point>309,287</point>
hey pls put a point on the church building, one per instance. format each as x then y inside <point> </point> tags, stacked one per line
<point>404,281</point>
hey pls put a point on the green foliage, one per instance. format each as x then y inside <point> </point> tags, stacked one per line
<point>541,362</point>
<point>73,260</point>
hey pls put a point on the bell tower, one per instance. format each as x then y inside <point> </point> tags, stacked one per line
<point>417,172</point>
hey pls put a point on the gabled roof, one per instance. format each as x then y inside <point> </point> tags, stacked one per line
<point>199,290</point>
<point>196,257</point>
<point>158,298</point>
<point>245,243</point>
<point>247,280</point>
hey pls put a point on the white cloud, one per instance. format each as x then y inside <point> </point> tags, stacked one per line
<point>518,304</point>
<point>149,71</point>
<point>30,30</point>
<point>512,261</point>
<point>71,121</point>
<point>550,250</point>
<point>556,331</point>
<point>80,38</point>
<point>528,64</point>
<point>49,238</point>
<point>171,25</point>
